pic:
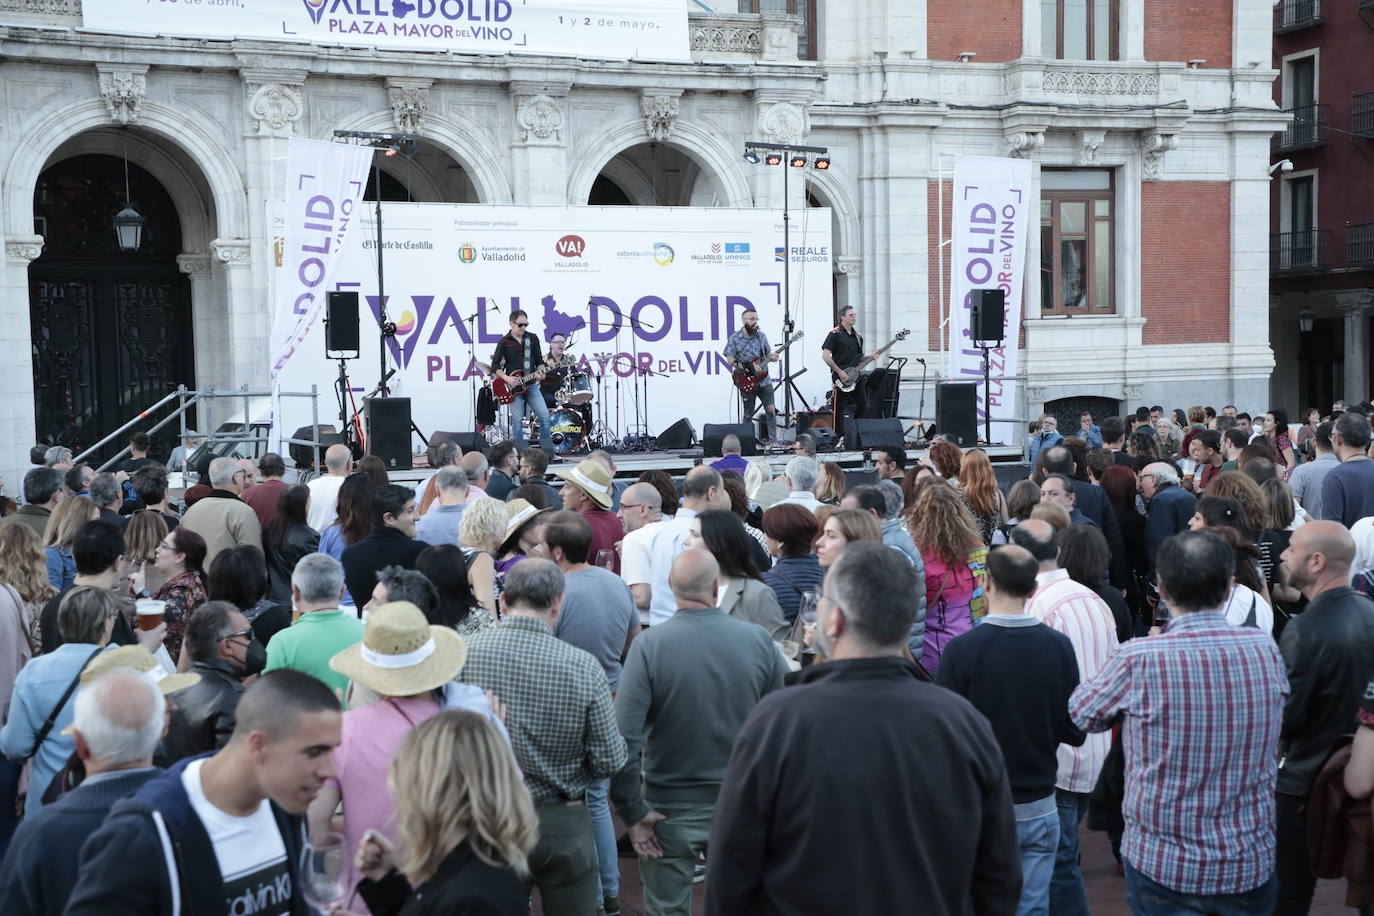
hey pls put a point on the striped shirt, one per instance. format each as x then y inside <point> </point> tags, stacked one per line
<point>558,707</point>
<point>1074,610</point>
<point>1202,705</point>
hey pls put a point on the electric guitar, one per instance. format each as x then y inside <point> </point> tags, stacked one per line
<point>505,392</point>
<point>853,371</point>
<point>748,376</point>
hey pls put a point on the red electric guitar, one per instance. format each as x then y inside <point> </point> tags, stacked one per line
<point>506,393</point>
<point>748,376</point>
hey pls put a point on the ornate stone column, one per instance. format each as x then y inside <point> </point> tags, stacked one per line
<point>1356,305</point>
<point>539,151</point>
<point>209,321</point>
<point>246,361</point>
<point>16,397</point>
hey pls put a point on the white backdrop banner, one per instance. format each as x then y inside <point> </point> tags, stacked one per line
<point>992,208</point>
<point>610,29</point>
<point>647,294</point>
<point>324,189</point>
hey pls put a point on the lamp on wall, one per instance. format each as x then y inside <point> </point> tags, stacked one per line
<point>128,223</point>
<point>1305,318</point>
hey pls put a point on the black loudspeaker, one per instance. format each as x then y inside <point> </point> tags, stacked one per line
<point>680,435</point>
<point>304,455</point>
<point>987,314</point>
<point>388,431</point>
<point>824,436</point>
<point>341,322</point>
<point>956,412</point>
<point>862,432</point>
<point>467,441</point>
<point>713,433</point>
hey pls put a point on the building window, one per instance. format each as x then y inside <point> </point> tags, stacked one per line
<point>1079,29</point>
<point>1076,242</point>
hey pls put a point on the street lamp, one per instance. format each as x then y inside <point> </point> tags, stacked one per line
<point>796,156</point>
<point>1305,318</point>
<point>128,223</point>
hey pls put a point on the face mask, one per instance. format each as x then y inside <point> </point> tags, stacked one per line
<point>254,659</point>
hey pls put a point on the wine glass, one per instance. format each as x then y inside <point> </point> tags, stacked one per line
<point>605,559</point>
<point>321,875</point>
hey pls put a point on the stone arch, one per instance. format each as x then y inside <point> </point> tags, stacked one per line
<point>630,180</point>
<point>465,147</point>
<point>845,219</point>
<point>176,133</point>
<point>702,146</point>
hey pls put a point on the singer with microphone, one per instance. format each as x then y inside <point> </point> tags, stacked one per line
<point>1047,437</point>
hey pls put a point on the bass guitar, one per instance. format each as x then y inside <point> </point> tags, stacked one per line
<point>505,392</point>
<point>853,371</point>
<point>748,376</point>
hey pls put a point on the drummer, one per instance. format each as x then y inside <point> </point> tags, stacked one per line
<point>554,378</point>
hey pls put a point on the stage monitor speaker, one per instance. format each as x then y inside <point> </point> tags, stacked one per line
<point>987,314</point>
<point>467,441</point>
<point>956,412</point>
<point>714,433</point>
<point>824,436</point>
<point>304,455</point>
<point>341,322</point>
<point>812,420</point>
<point>388,431</point>
<point>881,394</point>
<point>862,432</point>
<point>680,435</point>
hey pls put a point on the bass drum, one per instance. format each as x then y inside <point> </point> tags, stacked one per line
<point>578,389</point>
<point>567,430</point>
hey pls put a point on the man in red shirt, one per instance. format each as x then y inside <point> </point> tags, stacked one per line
<point>587,490</point>
<point>1205,449</point>
<point>265,496</point>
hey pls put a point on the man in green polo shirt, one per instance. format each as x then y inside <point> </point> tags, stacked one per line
<point>323,630</point>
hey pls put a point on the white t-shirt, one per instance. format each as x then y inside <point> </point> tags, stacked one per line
<point>636,559</point>
<point>324,501</point>
<point>250,851</point>
<point>1238,606</point>
<point>666,545</point>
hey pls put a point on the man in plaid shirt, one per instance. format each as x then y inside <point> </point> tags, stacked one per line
<point>562,726</point>
<point>1202,705</point>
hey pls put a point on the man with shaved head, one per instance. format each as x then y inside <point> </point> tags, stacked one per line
<point>1329,652</point>
<point>641,515</point>
<point>680,716</point>
<point>324,491</point>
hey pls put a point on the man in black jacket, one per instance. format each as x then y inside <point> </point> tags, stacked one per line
<point>832,803</point>
<point>1020,674</point>
<point>221,834</point>
<point>391,542</point>
<point>203,717</point>
<point>1328,650</point>
<point>116,725</point>
<point>1093,502</point>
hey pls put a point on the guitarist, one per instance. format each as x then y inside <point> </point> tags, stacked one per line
<point>748,348</point>
<point>518,352</point>
<point>843,347</point>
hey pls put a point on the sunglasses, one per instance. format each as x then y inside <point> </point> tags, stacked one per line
<point>522,324</point>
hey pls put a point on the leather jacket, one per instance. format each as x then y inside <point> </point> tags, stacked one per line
<point>204,716</point>
<point>301,541</point>
<point>1328,650</point>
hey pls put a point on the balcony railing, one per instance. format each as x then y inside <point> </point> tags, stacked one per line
<point>1298,252</point>
<point>1291,15</point>
<point>1362,111</point>
<point>1359,245</point>
<point>1307,130</point>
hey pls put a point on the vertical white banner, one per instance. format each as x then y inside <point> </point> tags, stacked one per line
<point>991,218</point>
<point>324,189</point>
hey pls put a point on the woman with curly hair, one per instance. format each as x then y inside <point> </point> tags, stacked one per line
<point>1144,450</point>
<point>915,476</point>
<point>954,556</point>
<point>947,458</point>
<point>24,568</point>
<point>667,490</point>
<point>978,488</point>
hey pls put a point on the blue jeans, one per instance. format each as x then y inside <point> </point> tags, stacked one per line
<point>603,831</point>
<point>1149,898</point>
<point>1068,897</point>
<point>9,789</point>
<point>1038,839</point>
<point>531,401</point>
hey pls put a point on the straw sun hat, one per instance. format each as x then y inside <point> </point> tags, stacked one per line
<point>401,653</point>
<point>591,477</point>
<point>519,511</point>
<point>140,661</point>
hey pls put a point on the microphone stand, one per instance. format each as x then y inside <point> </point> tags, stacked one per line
<point>635,324</point>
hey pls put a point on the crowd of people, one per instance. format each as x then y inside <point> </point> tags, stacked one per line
<point>818,692</point>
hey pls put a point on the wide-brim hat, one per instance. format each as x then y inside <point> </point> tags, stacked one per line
<point>140,661</point>
<point>590,476</point>
<point>519,511</point>
<point>402,654</point>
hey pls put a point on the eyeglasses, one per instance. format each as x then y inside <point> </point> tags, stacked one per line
<point>163,545</point>
<point>241,634</point>
<point>632,505</point>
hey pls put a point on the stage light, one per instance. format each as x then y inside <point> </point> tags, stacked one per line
<point>822,163</point>
<point>798,161</point>
<point>751,157</point>
<point>773,159</point>
<point>390,151</point>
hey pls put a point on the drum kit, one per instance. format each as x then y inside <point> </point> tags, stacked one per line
<point>573,426</point>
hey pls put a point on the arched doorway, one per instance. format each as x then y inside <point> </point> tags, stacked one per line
<point>655,175</point>
<point>111,329</point>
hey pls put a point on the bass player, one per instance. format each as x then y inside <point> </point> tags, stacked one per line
<point>748,348</point>
<point>518,352</point>
<point>842,348</point>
